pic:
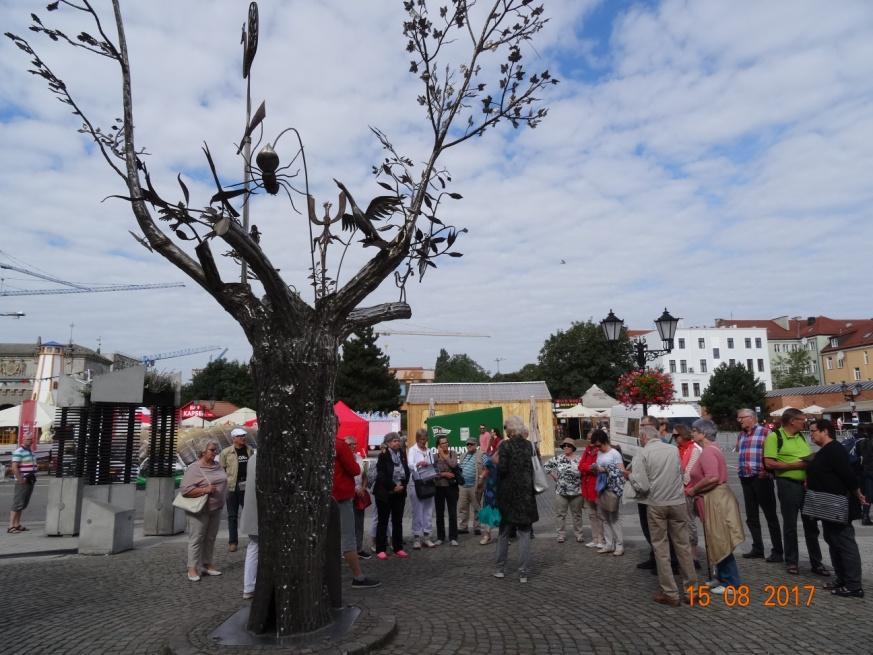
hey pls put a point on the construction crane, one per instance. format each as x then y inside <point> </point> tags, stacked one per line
<point>149,360</point>
<point>72,287</point>
<point>388,333</point>
<point>14,314</point>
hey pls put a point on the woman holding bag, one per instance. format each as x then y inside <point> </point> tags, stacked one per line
<point>392,478</point>
<point>610,488</point>
<point>830,474</point>
<point>204,477</point>
<point>448,471</point>
<point>419,459</point>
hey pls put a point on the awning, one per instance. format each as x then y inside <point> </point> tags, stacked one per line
<point>580,411</point>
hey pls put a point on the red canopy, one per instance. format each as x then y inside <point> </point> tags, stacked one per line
<point>350,424</point>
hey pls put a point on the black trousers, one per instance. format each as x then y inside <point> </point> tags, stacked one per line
<point>791,495</point>
<point>235,501</point>
<point>759,494</point>
<point>446,496</point>
<point>390,508</point>
<point>845,557</point>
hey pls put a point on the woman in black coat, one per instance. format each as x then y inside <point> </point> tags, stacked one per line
<point>392,476</point>
<point>516,499</point>
<point>830,472</point>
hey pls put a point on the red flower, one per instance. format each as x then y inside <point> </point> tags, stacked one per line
<point>648,386</point>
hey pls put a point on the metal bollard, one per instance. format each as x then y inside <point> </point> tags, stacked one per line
<point>333,558</point>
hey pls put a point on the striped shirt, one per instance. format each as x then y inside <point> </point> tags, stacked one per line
<point>25,460</point>
<point>750,449</point>
<point>468,468</point>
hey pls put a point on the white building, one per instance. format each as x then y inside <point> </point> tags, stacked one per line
<point>698,351</point>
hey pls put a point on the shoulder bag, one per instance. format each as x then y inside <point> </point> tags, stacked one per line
<point>424,478</point>
<point>826,507</point>
<point>540,482</point>
<point>192,505</point>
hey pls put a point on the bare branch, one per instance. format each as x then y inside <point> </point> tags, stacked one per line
<point>367,316</point>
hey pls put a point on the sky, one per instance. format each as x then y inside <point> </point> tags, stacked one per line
<point>709,157</point>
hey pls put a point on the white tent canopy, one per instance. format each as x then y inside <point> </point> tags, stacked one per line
<point>597,398</point>
<point>779,411</point>
<point>813,409</point>
<point>239,417</point>
<point>45,416</point>
<point>580,411</point>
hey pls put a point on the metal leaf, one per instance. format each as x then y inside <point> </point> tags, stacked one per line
<point>226,195</point>
<point>221,227</point>
<point>184,189</point>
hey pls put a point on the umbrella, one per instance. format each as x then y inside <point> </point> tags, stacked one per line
<point>812,409</point>
<point>534,422</point>
<point>779,411</point>
<point>431,410</point>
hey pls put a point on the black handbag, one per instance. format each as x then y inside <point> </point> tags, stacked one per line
<point>458,480</point>
<point>425,489</point>
<point>826,507</point>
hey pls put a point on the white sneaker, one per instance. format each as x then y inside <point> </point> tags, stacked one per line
<point>453,542</point>
<point>618,552</point>
<point>431,544</point>
<point>416,545</point>
<point>499,574</point>
<point>593,544</point>
<point>717,589</point>
<point>438,542</point>
<point>605,549</point>
<point>522,580</point>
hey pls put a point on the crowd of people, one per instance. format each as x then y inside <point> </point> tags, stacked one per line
<point>678,478</point>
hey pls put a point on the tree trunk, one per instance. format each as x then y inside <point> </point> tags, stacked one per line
<point>294,380</point>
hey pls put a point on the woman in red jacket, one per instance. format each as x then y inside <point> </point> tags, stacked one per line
<point>589,492</point>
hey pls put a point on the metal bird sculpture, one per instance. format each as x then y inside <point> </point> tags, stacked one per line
<point>380,207</point>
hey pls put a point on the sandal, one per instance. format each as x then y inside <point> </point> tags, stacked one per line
<point>793,569</point>
<point>21,528</point>
<point>821,570</point>
<point>13,530</point>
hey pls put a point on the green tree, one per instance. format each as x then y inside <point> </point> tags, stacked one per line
<point>792,370</point>
<point>363,381</point>
<point>458,368</point>
<point>731,387</point>
<point>527,373</point>
<point>222,380</point>
<point>571,361</point>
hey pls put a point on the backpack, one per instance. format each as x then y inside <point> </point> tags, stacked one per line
<point>778,432</point>
<point>851,446</point>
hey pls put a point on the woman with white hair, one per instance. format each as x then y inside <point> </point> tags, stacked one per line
<point>716,506</point>
<point>204,477</point>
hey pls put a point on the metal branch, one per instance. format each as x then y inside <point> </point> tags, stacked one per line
<point>367,316</point>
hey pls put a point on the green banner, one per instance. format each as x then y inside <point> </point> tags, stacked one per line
<point>461,426</point>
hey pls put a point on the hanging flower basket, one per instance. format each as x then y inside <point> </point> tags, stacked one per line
<point>648,386</point>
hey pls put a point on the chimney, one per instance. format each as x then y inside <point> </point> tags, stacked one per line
<point>810,320</point>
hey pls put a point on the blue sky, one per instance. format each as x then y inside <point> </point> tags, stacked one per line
<point>713,157</point>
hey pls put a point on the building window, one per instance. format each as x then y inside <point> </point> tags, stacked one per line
<point>701,343</point>
<point>730,342</point>
<point>775,347</point>
<point>731,362</point>
<point>830,362</point>
<point>866,358</point>
<point>681,344</point>
<point>840,362</point>
<point>760,365</point>
<point>683,366</point>
<point>750,365</point>
<point>715,353</point>
<point>703,366</point>
<point>757,342</point>
<point>835,341</point>
<point>697,389</point>
<point>857,373</point>
<point>672,365</point>
<point>685,390</point>
<point>748,342</point>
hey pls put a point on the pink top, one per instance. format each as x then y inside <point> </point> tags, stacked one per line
<point>711,463</point>
<point>196,475</point>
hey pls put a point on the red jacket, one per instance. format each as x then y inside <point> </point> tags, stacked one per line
<point>345,468</point>
<point>589,479</point>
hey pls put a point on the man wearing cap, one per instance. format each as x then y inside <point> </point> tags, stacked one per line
<point>234,460</point>
<point>468,499</point>
<point>564,469</point>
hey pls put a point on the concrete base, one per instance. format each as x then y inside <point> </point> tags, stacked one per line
<point>122,496</point>
<point>64,506</point>
<point>105,529</point>
<point>161,518</point>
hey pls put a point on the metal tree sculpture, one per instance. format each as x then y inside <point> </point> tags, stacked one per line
<point>295,343</point>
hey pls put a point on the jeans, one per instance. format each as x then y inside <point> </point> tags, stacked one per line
<point>727,571</point>
<point>391,509</point>
<point>523,533</point>
<point>250,570</point>
<point>235,500</point>
<point>446,496</point>
<point>845,557</point>
<point>791,495</point>
<point>758,494</point>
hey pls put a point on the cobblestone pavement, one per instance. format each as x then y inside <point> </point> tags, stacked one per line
<point>443,600</point>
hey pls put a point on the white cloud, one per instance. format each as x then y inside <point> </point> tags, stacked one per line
<point>721,164</point>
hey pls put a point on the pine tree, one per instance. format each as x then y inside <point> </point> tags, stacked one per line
<point>363,380</point>
<point>458,368</point>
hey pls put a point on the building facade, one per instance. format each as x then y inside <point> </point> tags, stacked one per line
<point>849,357</point>
<point>698,351</point>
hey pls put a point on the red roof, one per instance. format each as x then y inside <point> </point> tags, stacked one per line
<point>861,335</point>
<point>799,328</point>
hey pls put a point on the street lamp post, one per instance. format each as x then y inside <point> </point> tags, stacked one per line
<point>850,392</point>
<point>612,327</point>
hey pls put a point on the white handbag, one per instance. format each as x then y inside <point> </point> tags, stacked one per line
<point>193,505</point>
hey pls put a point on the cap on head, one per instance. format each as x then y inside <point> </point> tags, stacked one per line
<point>569,442</point>
<point>238,432</point>
<point>473,440</point>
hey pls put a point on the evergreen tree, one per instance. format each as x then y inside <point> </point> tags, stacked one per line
<point>571,361</point>
<point>222,380</point>
<point>731,387</point>
<point>363,380</point>
<point>458,368</point>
